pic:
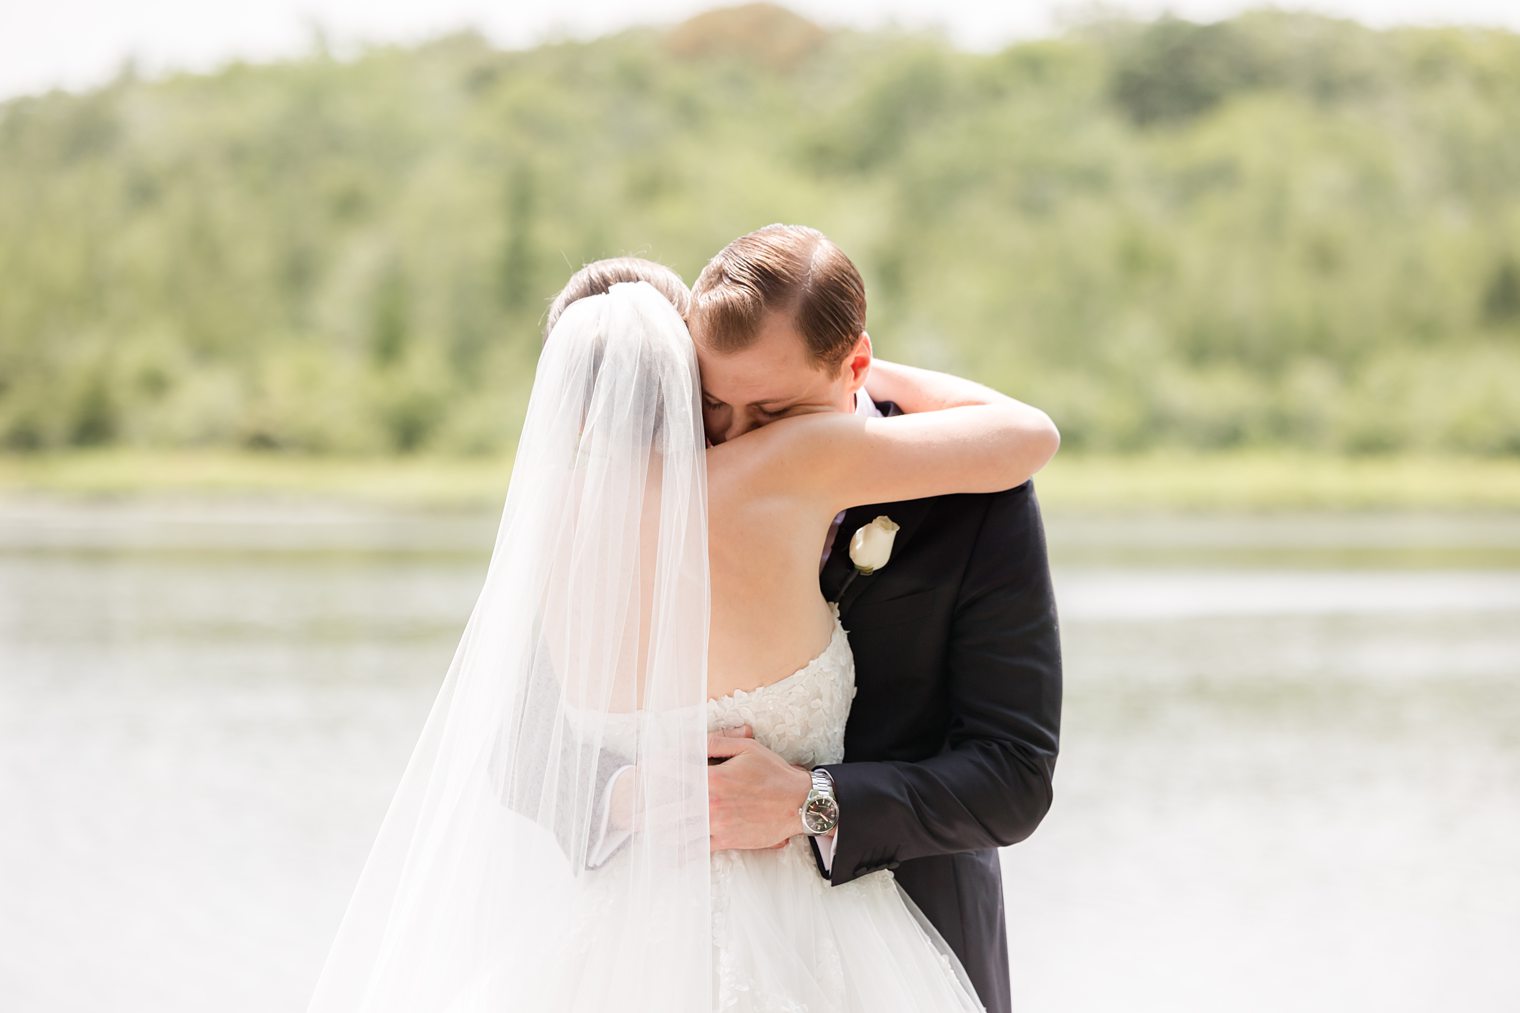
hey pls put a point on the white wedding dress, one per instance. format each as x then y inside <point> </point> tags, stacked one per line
<point>784,939</point>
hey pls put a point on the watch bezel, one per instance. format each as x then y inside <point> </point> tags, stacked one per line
<point>820,814</point>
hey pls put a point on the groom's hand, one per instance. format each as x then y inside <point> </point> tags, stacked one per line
<point>752,793</point>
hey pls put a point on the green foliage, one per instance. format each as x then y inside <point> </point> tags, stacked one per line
<point>1274,231</point>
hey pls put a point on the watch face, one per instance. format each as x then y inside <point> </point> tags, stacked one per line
<point>821,814</point>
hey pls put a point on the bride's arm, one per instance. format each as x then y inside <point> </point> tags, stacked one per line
<point>915,389</point>
<point>959,436</point>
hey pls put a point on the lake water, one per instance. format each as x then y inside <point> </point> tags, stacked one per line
<point>1290,770</point>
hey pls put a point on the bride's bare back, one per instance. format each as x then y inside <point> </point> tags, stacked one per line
<point>769,617</point>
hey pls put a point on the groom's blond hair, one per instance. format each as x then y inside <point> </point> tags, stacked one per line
<point>793,270</point>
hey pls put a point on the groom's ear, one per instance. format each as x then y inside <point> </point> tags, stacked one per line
<point>857,364</point>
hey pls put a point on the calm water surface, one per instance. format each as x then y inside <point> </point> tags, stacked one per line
<point>1290,774</point>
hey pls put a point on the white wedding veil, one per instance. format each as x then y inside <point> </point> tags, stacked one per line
<point>586,652</point>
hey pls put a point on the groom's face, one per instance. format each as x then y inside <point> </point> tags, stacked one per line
<point>772,378</point>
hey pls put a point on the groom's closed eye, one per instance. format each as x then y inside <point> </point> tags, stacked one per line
<point>714,405</point>
<point>771,410</point>
<point>800,408</point>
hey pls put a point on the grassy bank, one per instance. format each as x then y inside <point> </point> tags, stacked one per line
<point>1244,481</point>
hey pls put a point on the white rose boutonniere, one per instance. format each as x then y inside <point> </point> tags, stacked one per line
<point>871,546</point>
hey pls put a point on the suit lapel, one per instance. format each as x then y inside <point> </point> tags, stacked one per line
<point>909,515</point>
<point>835,580</point>
<point>837,569</point>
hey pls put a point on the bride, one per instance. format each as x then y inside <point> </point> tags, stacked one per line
<point>597,645</point>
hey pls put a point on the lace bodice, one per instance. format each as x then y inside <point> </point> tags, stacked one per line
<point>801,717</point>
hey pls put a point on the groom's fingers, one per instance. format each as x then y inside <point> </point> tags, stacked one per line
<point>728,745</point>
<point>737,730</point>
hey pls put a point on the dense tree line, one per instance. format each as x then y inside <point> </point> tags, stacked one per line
<point>1274,230</point>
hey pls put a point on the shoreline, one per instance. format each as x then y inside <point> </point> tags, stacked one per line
<point>1171,482</point>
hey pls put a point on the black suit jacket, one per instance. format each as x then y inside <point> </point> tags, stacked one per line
<point>951,742</point>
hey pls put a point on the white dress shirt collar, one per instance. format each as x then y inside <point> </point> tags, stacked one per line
<point>865,406</point>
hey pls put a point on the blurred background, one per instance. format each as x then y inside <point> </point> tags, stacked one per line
<point>274,282</point>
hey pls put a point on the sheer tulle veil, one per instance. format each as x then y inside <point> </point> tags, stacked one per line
<point>586,651</point>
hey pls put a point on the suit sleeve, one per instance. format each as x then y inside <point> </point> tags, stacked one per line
<point>543,731</point>
<point>992,783</point>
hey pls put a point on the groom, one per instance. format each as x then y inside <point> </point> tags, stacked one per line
<point>951,741</point>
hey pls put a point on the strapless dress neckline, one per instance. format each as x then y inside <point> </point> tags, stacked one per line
<point>838,644</point>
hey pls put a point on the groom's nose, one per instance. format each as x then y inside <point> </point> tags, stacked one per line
<point>739,423</point>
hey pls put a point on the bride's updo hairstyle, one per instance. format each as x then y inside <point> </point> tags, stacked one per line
<point>600,275</point>
<point>789,269</point>
<point>623,345</point>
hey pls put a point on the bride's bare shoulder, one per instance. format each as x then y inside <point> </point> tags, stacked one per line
<point>767,458</point>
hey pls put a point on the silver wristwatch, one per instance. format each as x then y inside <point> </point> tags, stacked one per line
<point>820,810</point>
